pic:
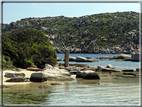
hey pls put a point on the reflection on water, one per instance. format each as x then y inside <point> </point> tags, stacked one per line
<point>123,90</point>
<point>26,94</point>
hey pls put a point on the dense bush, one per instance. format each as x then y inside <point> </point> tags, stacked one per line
<point>28,47</point>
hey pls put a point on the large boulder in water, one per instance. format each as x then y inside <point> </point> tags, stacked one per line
<point>88,74</point>
<point>122,56</point>
<point>81,59</point>
<point>72,58</point>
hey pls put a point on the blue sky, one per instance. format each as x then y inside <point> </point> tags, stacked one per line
<point>16,11</point>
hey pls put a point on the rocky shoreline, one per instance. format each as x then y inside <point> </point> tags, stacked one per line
<point>61,73</point>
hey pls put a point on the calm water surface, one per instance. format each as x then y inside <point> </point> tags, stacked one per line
<point>124,90</point>
<point>118,64</point>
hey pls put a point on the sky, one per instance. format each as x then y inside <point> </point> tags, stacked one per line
<point>17,11</point>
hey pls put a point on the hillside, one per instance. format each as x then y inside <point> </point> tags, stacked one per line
<point>98,33</point>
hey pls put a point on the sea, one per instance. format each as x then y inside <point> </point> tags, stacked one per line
<point>120,91</point>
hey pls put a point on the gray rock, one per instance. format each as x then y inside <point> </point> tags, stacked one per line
<point>122,56</point>
<point>89,58</point>
<point>128,70</point>
<point>10,75</point>
<point>100,68</point>
<point>16,79</point>
<point>88,74</point>
<point>51,74</point>
<point>81,59</point>
<point>110,66</point>
<point>135,57</point>
<point>72,58</point>
<point>38,77</point>
<point>73,70</point>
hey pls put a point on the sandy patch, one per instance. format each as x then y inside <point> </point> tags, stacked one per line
<point>26,72</point>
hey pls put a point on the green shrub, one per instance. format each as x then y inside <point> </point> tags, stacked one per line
<point>28,47</point>
<point>7,63</point>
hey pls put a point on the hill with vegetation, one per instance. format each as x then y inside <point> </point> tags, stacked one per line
<point>27,47</point>
<point>98,33</point>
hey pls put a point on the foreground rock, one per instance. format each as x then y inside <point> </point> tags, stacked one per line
<point>51,74</point>
<point>10,75</point>
<point>17,79</point>
<point>88,74</point>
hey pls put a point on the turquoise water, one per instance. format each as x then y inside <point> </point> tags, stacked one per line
<point>122,91</point>
<point>125,90</point>
<point>120,65</point>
